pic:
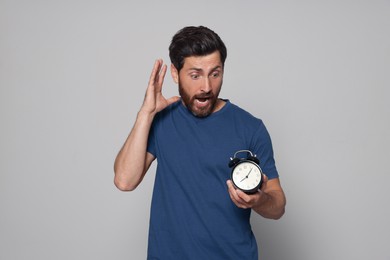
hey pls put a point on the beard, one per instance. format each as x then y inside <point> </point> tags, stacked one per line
<point>191,102</point>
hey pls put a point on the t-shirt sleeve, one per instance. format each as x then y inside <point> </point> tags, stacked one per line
<point>262,145</point>
<point>151,147</point>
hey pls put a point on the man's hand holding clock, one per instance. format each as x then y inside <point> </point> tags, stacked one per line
<point>244,200</point>
<point>249,187</point>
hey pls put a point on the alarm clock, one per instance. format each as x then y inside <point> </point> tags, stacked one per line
<point>246,173</point>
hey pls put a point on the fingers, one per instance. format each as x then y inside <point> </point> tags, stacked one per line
<point>240,198</point>
<point>161,76</point>
<point>156,69</point>
<point>154,100</point>
<point>158,74</point>
<point>153,90</point>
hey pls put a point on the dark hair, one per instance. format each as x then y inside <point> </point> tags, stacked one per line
<point>195,41</point>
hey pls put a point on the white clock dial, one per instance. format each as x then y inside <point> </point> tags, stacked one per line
<point>247,176</point>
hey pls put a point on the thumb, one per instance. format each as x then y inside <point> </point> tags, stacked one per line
<point>172,100</point>
<point>265,178</point>
<point>264,184</point>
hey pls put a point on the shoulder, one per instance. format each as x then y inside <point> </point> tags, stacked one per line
<point>242,115</point>
<point>172,108</point>
<point>249,125</point>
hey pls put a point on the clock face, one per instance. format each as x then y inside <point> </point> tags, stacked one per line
<point>247,176</point>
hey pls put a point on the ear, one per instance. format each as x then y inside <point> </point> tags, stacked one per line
<point>175,74</point>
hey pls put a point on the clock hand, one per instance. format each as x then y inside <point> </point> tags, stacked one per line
<point>246,177</point>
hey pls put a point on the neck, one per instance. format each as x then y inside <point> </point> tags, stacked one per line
<point>219,105</point>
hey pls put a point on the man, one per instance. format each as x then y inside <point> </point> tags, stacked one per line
<point>197,213</point>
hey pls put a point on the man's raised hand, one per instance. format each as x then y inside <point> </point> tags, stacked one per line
<point>154,101</point>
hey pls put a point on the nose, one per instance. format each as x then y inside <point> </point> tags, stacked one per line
<point>206,86</point>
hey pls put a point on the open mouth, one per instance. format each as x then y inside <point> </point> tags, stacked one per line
<point>201,106</point>
<point>202,100</point>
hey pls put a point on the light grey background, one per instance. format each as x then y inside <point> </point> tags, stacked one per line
<point>73,75</point>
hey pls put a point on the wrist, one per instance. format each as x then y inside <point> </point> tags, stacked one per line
<point>262,201</point>
<point>145,114</point>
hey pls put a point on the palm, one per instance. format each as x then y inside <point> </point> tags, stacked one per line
<point>154,100</point>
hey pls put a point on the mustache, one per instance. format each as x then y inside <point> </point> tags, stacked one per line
<point>204,95</point>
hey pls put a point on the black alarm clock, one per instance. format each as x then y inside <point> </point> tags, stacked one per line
<point>246,173</point>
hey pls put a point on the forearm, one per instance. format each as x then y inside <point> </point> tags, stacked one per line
<point>131,162</point>
<point>271,204</point>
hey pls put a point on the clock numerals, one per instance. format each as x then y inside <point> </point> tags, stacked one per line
<point>246,176</point>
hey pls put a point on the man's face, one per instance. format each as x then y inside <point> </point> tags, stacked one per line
<point>200,82</point>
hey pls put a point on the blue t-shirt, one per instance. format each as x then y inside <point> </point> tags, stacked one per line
<point>192,215</point>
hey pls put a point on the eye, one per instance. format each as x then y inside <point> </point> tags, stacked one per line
<point>215,74</point>
<point>194,76</point>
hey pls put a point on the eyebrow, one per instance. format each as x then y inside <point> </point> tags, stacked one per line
<point>199,69</point>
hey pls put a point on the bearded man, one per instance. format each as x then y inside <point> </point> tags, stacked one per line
<point>197,212</point>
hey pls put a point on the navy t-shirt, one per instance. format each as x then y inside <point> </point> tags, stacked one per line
<point>192,215</point>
